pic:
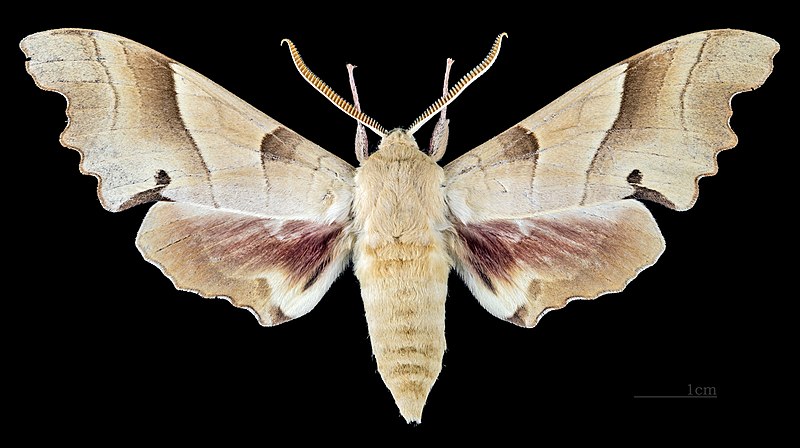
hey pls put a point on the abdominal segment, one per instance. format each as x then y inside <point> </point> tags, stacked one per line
<point>404,288</point>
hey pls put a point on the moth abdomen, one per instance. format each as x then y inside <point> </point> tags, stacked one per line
<point>404,304</point>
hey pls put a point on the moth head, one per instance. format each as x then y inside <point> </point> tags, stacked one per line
<point>398,137</point>
<point>371,123</point>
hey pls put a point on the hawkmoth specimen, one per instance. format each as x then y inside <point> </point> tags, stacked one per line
<point>546,212</point>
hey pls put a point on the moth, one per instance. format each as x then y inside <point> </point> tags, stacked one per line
<point>546,212</point>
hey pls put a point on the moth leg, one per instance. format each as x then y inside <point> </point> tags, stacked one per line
<point>362,144</point>
<point>441,130</point>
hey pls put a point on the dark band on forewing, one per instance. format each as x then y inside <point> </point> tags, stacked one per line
<point>280,144</point>
<point>686,85</point>
<point>109,79</point>
<point>643,82</point>
<point>160,113</point>
<point>519,142</point>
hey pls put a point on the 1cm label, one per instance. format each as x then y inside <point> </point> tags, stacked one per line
<point>702,391</point>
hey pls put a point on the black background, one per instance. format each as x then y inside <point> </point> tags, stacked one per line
<point>99,338</point>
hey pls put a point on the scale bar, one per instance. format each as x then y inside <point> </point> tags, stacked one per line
<point>674,396</point>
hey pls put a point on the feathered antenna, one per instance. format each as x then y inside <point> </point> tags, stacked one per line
<point>324,89</point>
<point>459,87</point>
